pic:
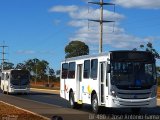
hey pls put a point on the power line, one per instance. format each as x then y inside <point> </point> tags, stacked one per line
<point>101,21</point>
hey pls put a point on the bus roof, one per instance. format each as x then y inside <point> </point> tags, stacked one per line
<point>84,57</point>
<point>11,70</point>
<point>99,55</point>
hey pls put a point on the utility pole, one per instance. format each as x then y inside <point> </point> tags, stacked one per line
<point>3,56</point>
<point>101,21</point>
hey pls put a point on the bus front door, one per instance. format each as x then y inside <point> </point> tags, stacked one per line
<point>102,82</point>
<point>79,83</point>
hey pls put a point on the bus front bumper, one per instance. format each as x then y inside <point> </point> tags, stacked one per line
<point>26,90</point>
<point>129,103</point>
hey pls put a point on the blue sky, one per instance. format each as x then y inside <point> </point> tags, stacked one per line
<point>42,28</point>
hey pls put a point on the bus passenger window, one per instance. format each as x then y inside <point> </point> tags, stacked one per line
<point>7,76</point>
<point>94,66</point>
<point>71,71</point>
<point>2,76</point>
<point>86,72</point>
<point>64,70</point>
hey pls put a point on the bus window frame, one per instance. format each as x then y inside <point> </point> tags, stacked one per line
<point>3,76</point>
<point>88,72</point>
<point>69,70</point>
<point>66,71</point>
<point>92,69</point>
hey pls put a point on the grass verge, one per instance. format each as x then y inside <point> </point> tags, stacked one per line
<point>43,87</point>
<point>8,112</point>
<point>158,92</point>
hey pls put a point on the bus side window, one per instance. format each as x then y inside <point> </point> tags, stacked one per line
<point>2,76</point>
<point>71,71</point>
<point>94,66</point>
<point>64,70</point>
<point>7,76</point>
<point>86,72</point>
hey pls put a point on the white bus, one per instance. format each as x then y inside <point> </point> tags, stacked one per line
<point>118,79</point>
<point>15,81</point>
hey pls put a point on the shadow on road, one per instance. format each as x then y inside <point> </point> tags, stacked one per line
<point>32,93</point>
<point>123,111</point>
<point>39,93</point>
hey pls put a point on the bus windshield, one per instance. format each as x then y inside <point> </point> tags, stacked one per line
<point>133,75</point>
<point>19,77</point>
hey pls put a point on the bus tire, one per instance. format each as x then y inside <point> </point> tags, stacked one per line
<point>8,92</point>
<point>72,102</point>
<point>94,103</point>
<point>135,110</point>
<point>78,106</point>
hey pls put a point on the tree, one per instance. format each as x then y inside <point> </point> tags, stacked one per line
<point>42,68</point>
<point>39,69</point>
<point>76,48</point>
<point>8,65</point>
<point>21,66</point>
<point>149,48</point>
<point>31,65</point>
<point>51,72</point>
<point>58,72</point>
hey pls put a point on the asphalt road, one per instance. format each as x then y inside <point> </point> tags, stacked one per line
<point>54,101</point>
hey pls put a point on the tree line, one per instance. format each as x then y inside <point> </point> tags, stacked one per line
<point>39,69</point>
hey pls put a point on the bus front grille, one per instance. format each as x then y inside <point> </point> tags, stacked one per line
<point>134,95</point>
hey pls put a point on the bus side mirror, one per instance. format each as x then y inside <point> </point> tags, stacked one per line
<point>108,68</point>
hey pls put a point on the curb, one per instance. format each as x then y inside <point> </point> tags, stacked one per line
<point>26,110</point>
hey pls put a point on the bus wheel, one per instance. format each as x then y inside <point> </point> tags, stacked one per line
<point>136,110</point>
<point>72,103</point>
<point>8,92</point>
<point>94,102</point>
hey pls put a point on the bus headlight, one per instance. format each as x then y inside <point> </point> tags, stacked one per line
<point>11,86</point>
<point>113,93</point>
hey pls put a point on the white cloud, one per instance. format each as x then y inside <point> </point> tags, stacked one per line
<point>76,23</point>
<point>147,4</point>
<point>61,8</point>
<point>118,39</point>
<point>56,22</point>
<point>31,52</point>
<point>26,52</point>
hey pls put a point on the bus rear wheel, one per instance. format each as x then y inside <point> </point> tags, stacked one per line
<point>72,102</point>
<point>94,103</point>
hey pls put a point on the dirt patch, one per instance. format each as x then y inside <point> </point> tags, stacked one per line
<point>56,84</point>
<point>42,85</point>
<point>8,112</point>
<point>158,92</point>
